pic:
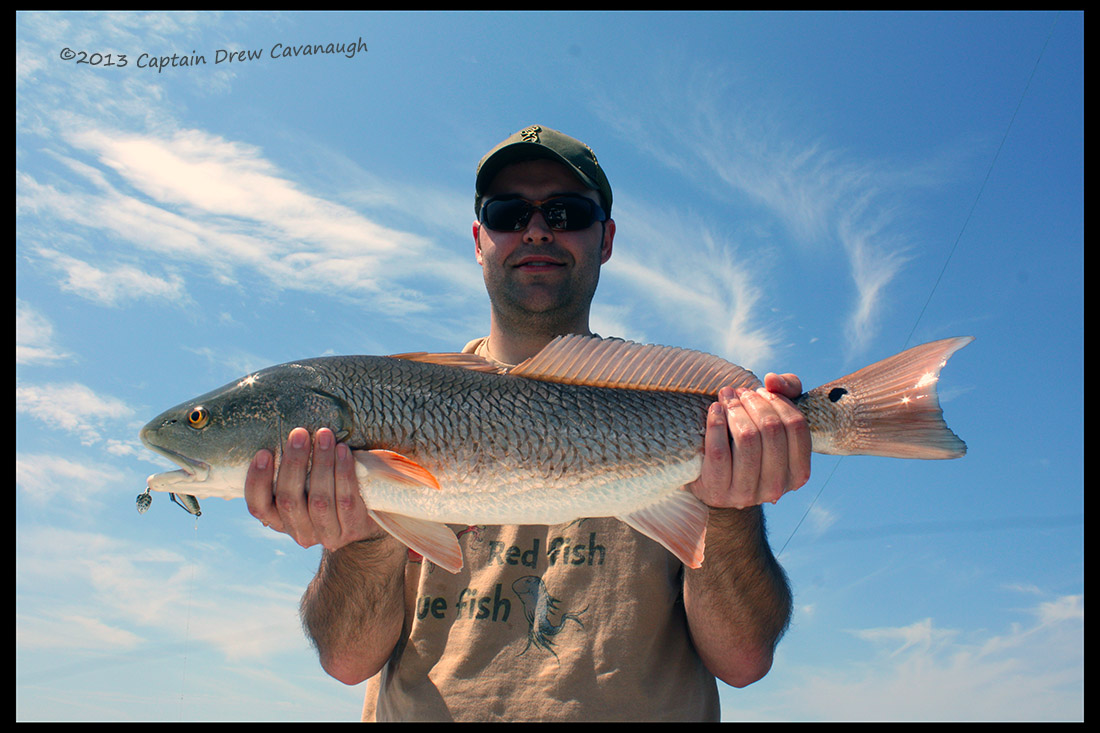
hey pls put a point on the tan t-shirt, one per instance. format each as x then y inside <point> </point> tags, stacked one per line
<point>582,621</point>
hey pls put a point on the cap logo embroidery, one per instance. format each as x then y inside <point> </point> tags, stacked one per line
<point>531,134</point>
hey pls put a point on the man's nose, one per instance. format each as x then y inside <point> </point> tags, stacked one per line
<point>537,230</point>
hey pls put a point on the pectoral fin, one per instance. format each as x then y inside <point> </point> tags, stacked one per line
<point>396,467</point>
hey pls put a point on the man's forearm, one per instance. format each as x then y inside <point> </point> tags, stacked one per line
<point>354,608</point>
<point>738,603</point>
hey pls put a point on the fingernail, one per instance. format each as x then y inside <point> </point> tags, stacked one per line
<point>298,439</point>
<point>262,459</point>
<point>324,439</point>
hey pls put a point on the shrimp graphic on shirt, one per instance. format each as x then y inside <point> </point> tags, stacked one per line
<point>538,604</point>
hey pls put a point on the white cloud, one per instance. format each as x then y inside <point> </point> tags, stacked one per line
<point>873,267</point>
<point>48,478</point>
<point>71,632</point>
<point>133,592</point>
<point>195,200</point>
<point>734,142</point>
<point>920,634</point>
<point>1065,608</point>
<point>115,285</point>
<point>925,672</point>
<point>34,340</point>
<point>821,518</point>
<point>214,177</point>
<point>704,292</point>
<point>71,407</point>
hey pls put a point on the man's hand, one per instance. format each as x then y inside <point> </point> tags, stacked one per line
<point>770,450</point>
<point>313,504</point>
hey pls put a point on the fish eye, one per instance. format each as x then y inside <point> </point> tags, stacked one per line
<point>198,417</point>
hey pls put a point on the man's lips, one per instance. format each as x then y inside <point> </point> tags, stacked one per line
<point>538,262</point>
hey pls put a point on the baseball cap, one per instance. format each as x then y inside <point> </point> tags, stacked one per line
<point>537,141</point>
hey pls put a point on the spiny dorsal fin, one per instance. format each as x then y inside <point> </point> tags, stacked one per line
<point>465,361</point>
<point>600,362</point>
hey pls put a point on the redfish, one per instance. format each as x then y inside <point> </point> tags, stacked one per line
<point>588,427</point>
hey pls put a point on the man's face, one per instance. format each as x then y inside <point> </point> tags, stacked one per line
<point>538,277</point>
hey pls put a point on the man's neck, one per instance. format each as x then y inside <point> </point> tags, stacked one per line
<point>510,346</point>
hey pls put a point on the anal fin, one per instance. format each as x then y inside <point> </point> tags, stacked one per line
<point>678,522</point>
<point>433,540</point>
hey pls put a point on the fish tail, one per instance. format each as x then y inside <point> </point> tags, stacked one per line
<point>890,408</point>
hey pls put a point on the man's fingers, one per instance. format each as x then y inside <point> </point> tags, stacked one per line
<point>321,499</point>
<point>799,441</point>
<point>788,385</point>
<point>747,453</point>
<point>714,479</point>
<point>290,493</point>
<point>258,492</point>
<point>773,478</point>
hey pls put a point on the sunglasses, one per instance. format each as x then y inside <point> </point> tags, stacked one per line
<point>567,213</point>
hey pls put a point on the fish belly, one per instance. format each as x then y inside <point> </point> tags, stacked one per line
<point>527,497</point>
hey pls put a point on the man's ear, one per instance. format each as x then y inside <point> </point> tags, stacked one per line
<point>477,242</point>
<point>608,238</point>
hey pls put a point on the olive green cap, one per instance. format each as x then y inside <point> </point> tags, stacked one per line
<point>537,141</point>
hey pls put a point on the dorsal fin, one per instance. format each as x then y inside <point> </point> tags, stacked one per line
<point>600,362</point>
<point>465,361</point>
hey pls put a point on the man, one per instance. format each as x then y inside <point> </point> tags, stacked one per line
<point>584,621</point>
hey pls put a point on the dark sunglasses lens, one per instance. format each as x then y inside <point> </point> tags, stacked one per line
<point>507,215</point>
<point>567,214</point>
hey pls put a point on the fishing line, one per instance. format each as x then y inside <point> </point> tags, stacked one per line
<point>811,506</point>
<point>985,180</point>
<point>950,254</point>
<point>187,623</point>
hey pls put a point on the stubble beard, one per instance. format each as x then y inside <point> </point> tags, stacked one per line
<point>562,309</point>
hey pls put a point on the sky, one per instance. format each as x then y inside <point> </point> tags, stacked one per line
<point>795,192</point>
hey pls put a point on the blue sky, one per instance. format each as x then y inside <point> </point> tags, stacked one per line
<point>796,192</point>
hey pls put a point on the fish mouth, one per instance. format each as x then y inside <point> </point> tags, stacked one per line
<point>193,470</point>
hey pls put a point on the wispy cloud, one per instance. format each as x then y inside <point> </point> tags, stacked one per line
<point>34,337</point>
<point>70,631</point>
<point>192,204</point>
<point>821,518</point>
<point>734,144</point>
<point>198,198</point>
<point>140,593</point>
<point>920,634</point>
<point>923,671</point>
<point>71,407</point>
<point>114,284</point>
<point>46,478</point>
<point>705,291</point>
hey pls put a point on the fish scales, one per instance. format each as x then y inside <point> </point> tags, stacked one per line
<point>529,448</point>
<point>436,410</point>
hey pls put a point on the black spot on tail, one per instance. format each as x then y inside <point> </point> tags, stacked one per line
<point>836,393</point>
